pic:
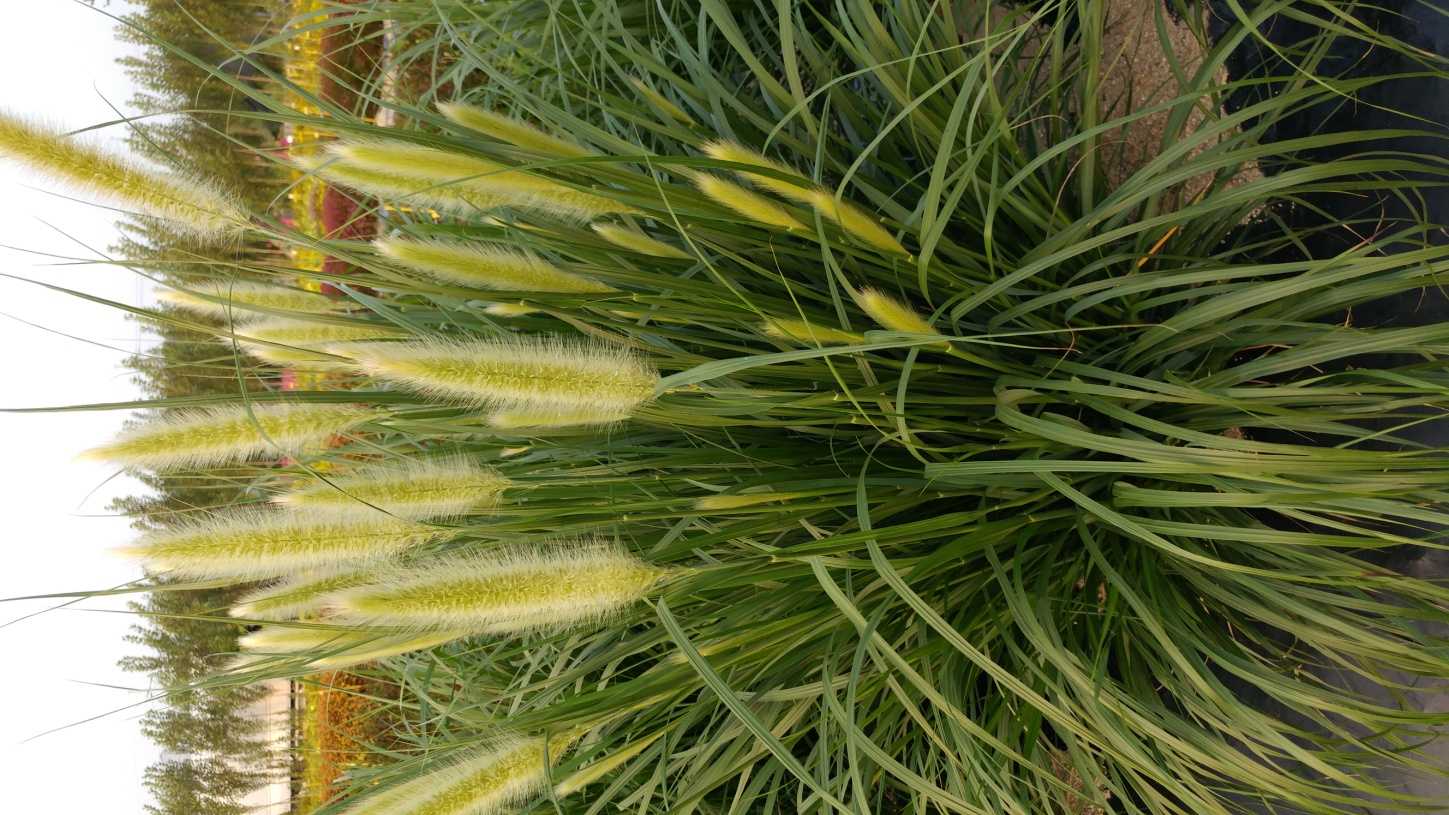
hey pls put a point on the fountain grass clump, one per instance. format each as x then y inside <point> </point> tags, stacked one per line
<point>923,464</point>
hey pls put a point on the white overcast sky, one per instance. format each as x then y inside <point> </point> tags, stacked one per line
<point>58,61</point>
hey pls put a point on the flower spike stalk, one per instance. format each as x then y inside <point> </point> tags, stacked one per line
<point>551,376</point>
<point>79,163</point>
<point>552,589</point>
<point>262,544</point>
<point>488,780</point>
<point>412,489</point>
<point>487,267</point>
<point>216,437</point>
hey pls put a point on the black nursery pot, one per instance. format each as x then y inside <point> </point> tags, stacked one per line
<point>1401,101</point>
<point>1339,220</point>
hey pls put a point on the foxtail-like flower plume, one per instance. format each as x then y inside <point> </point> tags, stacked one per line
<point>512,131</point>
<point>810,333</point>
<point>500,593</point>
<point>856,223</point>
<point>294,596</point>
<point>486,183</point>
<point>638,242</point>
<point>262,544</point>
<point>669,108</point>
<point>752,205</point>
<point>412,489</point>
<point>239,298</point>
<point>296,359</point>
<point>330,648</point>
<point>739,154</point>
<point>511,309</point>
<point>728,501</point>
<point>445,198</point>
<point>79,163</point>
<point>851,218</point>
<point>408,160</point>
<point>547,376</point>
<point>312,333</point>
<point>602,767</point>
<point>892,314</point>
<point>488,780</point>
<point>215,437</point>
<point>546,419</point>
<point>478,265</point>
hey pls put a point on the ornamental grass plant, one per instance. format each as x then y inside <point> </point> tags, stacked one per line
<point>944,475</point>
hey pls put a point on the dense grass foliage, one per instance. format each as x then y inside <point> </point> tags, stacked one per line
<point>843,439</point>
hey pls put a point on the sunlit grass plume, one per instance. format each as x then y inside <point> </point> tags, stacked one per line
<point>234,434</point>
<point>80,163</point>
<point>412,488</point>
